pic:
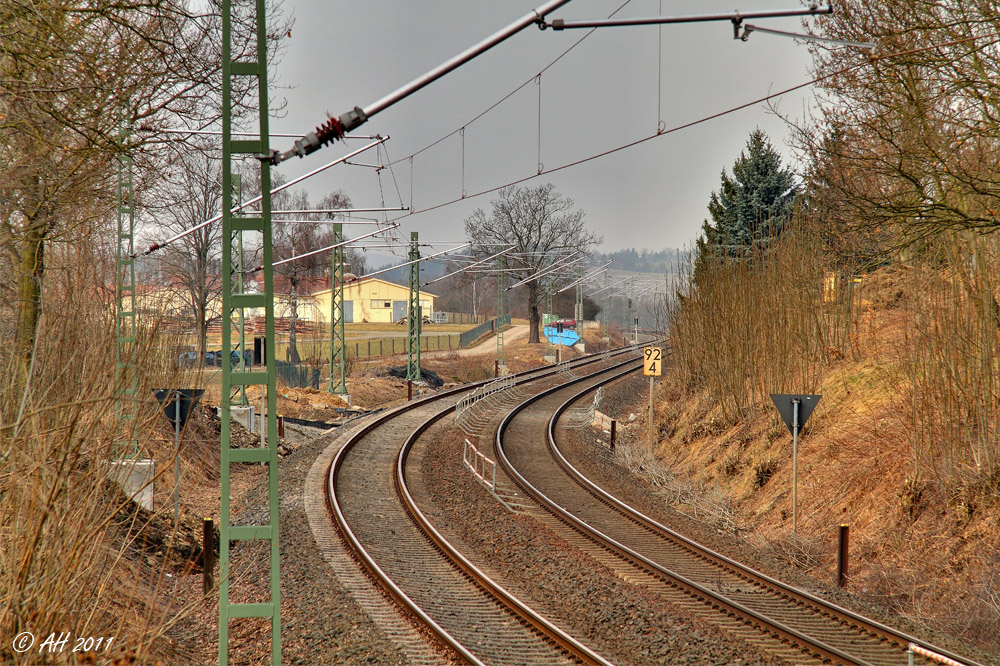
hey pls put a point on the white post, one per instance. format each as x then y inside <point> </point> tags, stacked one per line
<point>177,456</point>
<point>651,446</point>
<point>795,466</point>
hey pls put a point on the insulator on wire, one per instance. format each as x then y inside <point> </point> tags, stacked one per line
<point>328,132</point>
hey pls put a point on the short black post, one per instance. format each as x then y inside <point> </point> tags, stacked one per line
<point>614,428</point>
<point>842,542</point>
<point>208,555</point>
<point>281,426</point>
<point>409,389</point>
<point>496,368</point>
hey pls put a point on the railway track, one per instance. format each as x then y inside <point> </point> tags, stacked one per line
<point>789,623</point>
<point>471,614</point>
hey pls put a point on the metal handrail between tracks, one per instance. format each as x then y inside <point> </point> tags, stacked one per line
<point>688,586</point>
<point>901,639</point>
<point>334,506</point>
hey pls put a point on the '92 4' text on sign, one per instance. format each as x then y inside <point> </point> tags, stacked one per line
<point>652,361</point>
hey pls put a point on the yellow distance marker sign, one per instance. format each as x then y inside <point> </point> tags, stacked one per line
<point>652,361</point>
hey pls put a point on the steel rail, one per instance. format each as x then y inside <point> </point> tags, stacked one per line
<point>750,616</point>
<point>894,636</point>
<point>532,617</point>
<point>381,577</point>
<point>808,644</point>
<point>333,504</point>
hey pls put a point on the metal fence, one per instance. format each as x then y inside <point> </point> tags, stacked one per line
<point>485,472</point>
<point>474,334</point>
<point>441,317</point>
<point>297,376</point>
<point>374,347</point>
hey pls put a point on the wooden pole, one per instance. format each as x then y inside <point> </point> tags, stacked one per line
<point>842,543</point>
<point>208,555</point>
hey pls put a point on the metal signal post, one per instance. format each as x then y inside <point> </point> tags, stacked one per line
<point>234,302</point>
<point>652,366</point>
<point>338,348</point>
<point>795,410</point>
<point>126,322</point>
<point>413,314</point>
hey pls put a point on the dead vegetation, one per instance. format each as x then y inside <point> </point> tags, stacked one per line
<point>903,445</point>
<point>75,556</point>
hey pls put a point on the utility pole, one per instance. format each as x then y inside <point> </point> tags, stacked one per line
<point>252,65</point>
<point>338,348</point>
<point>578,310</point>
<point>501,363</point>
<point>413,314</point>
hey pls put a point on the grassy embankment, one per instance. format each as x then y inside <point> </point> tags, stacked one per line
<point>904,445</point>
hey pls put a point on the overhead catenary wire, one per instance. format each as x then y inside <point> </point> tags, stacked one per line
<point>466,268</point>
<point>559,263</point>
<point>157,246</point>
<point>430,256</point>
<point>584,277</point>
<point>324,249</point>
<point>336,128</point>
<point>505,97</point>
<point>688,125</point>
<point>595,293</point>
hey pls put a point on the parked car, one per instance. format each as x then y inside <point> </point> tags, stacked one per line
<point>566,323</point>
<point>189,359</point>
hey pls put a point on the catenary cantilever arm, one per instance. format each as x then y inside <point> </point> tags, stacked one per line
<point>335,128</point>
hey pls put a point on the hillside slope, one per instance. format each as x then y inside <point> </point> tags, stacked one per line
<point>923,540</point>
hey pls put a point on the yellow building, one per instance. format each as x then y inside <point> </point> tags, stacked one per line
<point>372,300</point>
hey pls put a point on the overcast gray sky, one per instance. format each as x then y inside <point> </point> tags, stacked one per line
<point>605,93</point>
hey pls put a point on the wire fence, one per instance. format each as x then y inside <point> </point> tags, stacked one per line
<point>314,350</point>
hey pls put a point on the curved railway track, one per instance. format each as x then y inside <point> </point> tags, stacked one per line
<point>782,620</point>
<point>369,499</point>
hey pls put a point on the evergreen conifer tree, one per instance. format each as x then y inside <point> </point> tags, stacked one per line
<point>751,207</point>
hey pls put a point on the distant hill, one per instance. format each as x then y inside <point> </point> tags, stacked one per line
<point>664,261</point>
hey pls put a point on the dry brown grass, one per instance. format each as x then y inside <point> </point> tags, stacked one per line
<point>757,325</point>
<point>70,554</point>
<point>903,446</point>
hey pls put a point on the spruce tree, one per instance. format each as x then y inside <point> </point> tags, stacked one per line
<point>751,207</point>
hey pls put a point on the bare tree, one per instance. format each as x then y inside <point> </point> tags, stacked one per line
<point>193,264</point>
<point>913,131</point>
<point>293,239</point>
<point>542,226</point>
<point>71,75</point>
